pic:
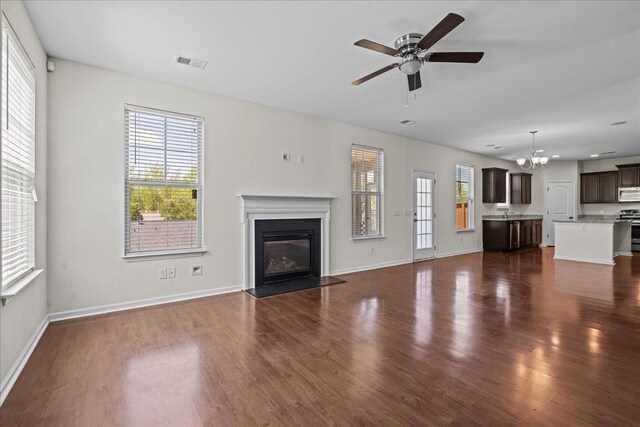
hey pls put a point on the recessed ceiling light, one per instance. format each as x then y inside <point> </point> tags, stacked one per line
<point>191,62</point>
<point>555,156</point>
<point>595,155</point>
<point>539,151</point>
<point>490,145</point>
<point>408,122</point>
<point>497,147</point>
<point>617,123</point>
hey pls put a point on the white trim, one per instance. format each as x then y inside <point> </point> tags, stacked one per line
<point>462,252</point>
<point>283,207</point>
<point>591,260</point>
<point>110,308</point>
<point>150,256</point>
<point>13,289</point>
<point>371,267</point>
<point>9,380</point>
<point>622,254</point>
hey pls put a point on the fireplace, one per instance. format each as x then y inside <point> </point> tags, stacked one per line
<point>287,249</point>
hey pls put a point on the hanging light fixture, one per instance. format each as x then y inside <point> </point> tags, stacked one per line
<point>533,160</point>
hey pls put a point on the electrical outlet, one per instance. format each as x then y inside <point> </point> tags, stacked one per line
<point>300,159</point>
<point>196,270</point>
<point>407,212</point>
<point>171,272</point>
<point>162,273</point>
<point>286,157</point>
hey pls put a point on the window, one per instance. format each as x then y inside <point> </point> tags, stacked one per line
<point>163,182</point>
<point>505,205</point>
<point>18,159</point>
<point>464,197</point>
<point>367,183</point>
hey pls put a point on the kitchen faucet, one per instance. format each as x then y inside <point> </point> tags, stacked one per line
<point>507,213</point>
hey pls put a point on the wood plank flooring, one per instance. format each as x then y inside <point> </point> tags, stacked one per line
<point>479,339</point>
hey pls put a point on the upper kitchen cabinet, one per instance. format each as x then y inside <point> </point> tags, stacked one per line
<point>494,185</point>
<point>599,187</point>
<point>629,175</point>
<point>520,188</point>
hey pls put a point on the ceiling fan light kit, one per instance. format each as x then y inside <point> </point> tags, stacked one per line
<point>532,160</point>
<point>410,46</point>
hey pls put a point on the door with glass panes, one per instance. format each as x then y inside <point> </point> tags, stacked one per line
<point>424,216</point>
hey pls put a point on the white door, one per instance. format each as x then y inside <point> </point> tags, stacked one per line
<point>560,206</point>
<point>424,216</point>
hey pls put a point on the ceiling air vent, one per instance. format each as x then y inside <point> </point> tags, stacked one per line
<point>408,122</point>
<point>191,62</point>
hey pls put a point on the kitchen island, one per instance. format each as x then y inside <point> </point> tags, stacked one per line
<point>592,238</point>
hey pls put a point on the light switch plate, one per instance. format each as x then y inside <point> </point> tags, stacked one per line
<point>162,273</point>
<point>396,212</point>
<point>171,272</point>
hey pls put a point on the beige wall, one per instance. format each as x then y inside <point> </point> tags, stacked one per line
<point>243,146</point>
<point>22,315</point>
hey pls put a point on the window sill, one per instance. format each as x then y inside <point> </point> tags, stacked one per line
<point>466,230</point>
<point>19,285</point>
<point>367,238</point>
<point>150,256</point>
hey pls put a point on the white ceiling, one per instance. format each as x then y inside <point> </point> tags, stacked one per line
<point>567,69</point>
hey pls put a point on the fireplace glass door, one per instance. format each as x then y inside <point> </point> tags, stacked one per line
<point>287,256</point>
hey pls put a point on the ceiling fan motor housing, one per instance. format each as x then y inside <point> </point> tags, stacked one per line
<point>407,45</point>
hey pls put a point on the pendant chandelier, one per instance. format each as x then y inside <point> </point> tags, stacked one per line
<point>532,160</point>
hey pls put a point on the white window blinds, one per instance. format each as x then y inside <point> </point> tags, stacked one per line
<point>163,181</point>
<point>367,183</point>
<point>464,197</point>
<point>18,159</point>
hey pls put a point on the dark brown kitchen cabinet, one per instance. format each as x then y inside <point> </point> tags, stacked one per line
<point>525,232</point>
<point>520,188</point>
<point>629,175</point>
<point>494,185</point>
<point>599,187</point>
<point>536,233</point>
<point>608,187</point>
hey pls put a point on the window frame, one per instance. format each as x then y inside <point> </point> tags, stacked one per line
<point>506,205</point>
<point>379,194</point>
<point>28,274</point>
<point>470,198</point>
<point>164,253</point>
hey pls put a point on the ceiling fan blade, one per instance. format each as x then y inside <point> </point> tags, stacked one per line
<point>443,28</point>
<point>374,74</point>
<point>368,44</point>
<point>468,57</point>
<point>414,81</point>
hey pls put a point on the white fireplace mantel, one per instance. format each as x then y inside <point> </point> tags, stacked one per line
<point>257,207</point>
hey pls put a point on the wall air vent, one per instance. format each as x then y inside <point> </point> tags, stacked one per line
<point>191,62</point>
<point>408,122</point>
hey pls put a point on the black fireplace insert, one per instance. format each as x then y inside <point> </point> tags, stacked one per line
<point>286,249</point>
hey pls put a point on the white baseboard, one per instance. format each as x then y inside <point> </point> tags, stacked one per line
<point>623,254</point>
<point>14,372</point>
<point>110,308</point>
<point>371,267</point>
<point>455,253</point>
<point>591,260</point>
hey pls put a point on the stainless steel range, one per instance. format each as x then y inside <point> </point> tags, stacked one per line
<point>634,216</point>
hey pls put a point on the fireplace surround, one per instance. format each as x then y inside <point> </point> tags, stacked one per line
<point>259,207</point>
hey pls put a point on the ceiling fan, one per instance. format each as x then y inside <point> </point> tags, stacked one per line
<point>410,46</point>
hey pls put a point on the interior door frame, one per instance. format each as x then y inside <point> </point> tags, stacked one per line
<point>434,207</point>
<point>545,215</point>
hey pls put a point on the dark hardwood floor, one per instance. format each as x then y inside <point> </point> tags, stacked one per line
<point>479,339</point>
